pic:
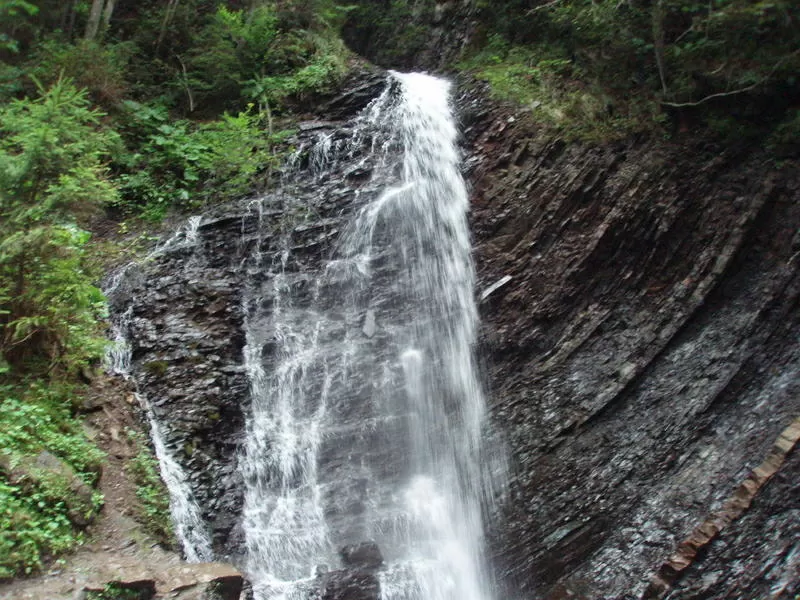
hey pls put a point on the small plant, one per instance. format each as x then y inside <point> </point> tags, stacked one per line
<point>52,175</point>
<point>153,509</point>
<point>179,164</point>
<point>115,591</point>
<point>100,69</point>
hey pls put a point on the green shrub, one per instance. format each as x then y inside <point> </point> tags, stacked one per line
<point>14,16</point>
<point>98,68</point>
<point>35,506</point>
<point>176,163</point>
<point>632,66</point>
<point>266,55</point>
<point>51,174</point>
<point>547,83</point>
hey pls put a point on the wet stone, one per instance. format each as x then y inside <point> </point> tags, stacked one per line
<point>365,555</point>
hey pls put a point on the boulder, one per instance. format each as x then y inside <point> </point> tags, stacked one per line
<point>132,584</point>
<point>47,470</point>
<point>202,581</point>
<point>350,585</point>
<point>365,555</point>
<point>205,581</point>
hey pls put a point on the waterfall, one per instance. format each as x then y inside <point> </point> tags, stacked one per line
<point>367,411</point>
<point>190,529</point>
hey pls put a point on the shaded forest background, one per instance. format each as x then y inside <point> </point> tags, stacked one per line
<point>115,113</point>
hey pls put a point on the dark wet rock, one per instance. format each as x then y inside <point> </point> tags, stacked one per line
<point>365,555</point>
<point>360,87</point>
<point>641,353</point>
<point>201,581</point>
<point>138,586</point>
<point>211,581</point>
<point>643,356</point>
<point>350,585</point>
<point>189,300</point>
<point>357,580</point>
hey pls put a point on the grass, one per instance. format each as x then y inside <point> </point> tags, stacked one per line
<point>153,509</point>
<point>556,95</point>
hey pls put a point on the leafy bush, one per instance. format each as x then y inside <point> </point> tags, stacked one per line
<point>14,15</point>
<point>632,64</point>
<point>100,69</point>
<point>177,163</point>
<point>51,173</point>
<point>266,55</point>
<point>35,507</point>
<point>548,84</point>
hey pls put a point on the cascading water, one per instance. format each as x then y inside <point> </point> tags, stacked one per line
<point>185,512</point>
<point>367,411</point>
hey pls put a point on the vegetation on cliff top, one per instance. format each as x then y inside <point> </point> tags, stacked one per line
<point>616,66</point>
<point>601,69</point>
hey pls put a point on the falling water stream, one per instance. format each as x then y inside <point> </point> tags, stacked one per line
<point>184,510</point>
<point>367,411</point>
<point>367,415</point>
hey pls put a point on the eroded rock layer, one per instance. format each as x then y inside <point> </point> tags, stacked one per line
<point>643,355</point>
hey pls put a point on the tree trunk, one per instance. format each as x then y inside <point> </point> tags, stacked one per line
<point>69,28</point>
<point>172,6</point>
<point>108,12</point>
<point>658,43</point>
<point>93,24</point>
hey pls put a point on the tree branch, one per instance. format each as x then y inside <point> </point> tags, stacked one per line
<point>542,7</point>
<point>185,81</point>
<point>732,92</point>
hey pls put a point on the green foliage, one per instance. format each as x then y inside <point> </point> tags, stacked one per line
<point>625,60</point>
<point>164,163</point>
<point>228,68</point>
<point>50,304</point>
<point>114,591</point>
<point>47,144</point>
<point>153,510</point>
<point>548,84</point>
<point>13,15</point>
<point>240,154</point>
<point>391,32</point>
<point>51,172</point>
<point>177,163</point>
<point>100,69</point>
<point>266,55</point>
<point>34,509</point>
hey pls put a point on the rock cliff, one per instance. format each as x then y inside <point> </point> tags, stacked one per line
<point>642,356</point>
<point>640,330</point>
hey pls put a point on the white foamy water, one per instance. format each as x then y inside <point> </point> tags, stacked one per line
<point>367,412</point>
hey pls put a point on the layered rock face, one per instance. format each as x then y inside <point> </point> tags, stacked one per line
<point>183,311</point>
<point>639,337</point>
<point>642,352</point>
